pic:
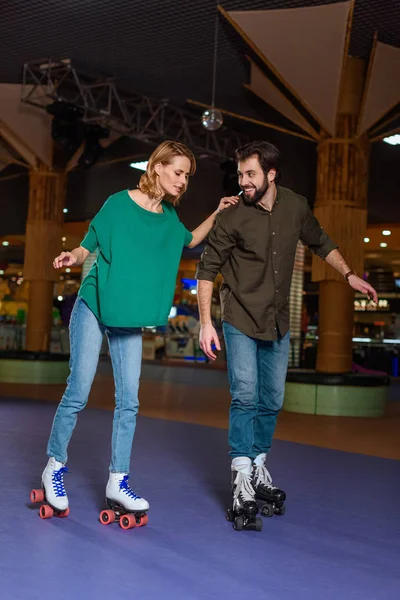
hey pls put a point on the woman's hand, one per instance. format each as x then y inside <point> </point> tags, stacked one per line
<point>65,259</point>
<point>227,201</point>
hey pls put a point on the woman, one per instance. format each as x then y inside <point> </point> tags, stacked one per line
<point>139,239</point>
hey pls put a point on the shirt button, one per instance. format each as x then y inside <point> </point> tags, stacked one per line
<point>273,233</point>
<point>277,291</point>
<point>275,271</point>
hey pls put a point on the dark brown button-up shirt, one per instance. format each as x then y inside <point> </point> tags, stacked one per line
<point>254,250</point>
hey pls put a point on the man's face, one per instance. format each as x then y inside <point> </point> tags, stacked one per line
<point>252,180</point>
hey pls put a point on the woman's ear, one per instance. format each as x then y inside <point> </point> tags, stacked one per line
<point>158,168</point>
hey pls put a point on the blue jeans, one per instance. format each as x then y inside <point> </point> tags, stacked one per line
<point>257,373</point>
<point>86,336</point>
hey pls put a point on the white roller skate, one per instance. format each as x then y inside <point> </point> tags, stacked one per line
<point>52,491</point>
<point>124,506</point>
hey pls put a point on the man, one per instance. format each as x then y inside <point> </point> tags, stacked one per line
<point>253,245</point>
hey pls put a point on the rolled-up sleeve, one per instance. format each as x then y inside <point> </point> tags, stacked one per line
<point>99,226</point>
<point>217,250</point>
<point>313,236</point>
<point>90,241</point>
<point>188,237</point>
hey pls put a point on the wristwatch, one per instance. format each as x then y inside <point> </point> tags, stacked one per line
<point>348,275</point>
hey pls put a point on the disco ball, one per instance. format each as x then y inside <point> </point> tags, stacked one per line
<point>211,119</point>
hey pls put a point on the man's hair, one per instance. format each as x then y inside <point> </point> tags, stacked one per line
<point>268,156</point>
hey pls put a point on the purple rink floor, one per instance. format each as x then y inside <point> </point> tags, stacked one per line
<point>339,538</point>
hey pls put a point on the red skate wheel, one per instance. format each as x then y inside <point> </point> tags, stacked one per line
<point>128,522</point>
<point>143,521</point>
<point>107,517</point>
<point>64,513</point>
<point>37,496</point>
<point>46,512</point>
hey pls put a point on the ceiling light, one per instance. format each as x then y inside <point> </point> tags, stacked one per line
<point>393,140</point>
<point>366,240</point>
<point>141,166</point>
<point>383,245</point>
<point>386,232</point>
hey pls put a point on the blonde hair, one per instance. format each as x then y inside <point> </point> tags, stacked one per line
<point>163,154</point>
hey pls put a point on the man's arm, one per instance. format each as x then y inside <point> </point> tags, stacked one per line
<point>336,260</point>
<point>320,244</point>
<point>202,231</point>
<point>208,336</point>
<point>220,244</point>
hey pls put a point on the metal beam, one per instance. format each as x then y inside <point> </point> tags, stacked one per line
<point>130,114</point>
<point>18,145</point>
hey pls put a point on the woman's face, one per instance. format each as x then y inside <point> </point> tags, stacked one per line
<point>173,177</point>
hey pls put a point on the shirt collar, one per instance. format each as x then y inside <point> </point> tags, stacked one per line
<point>277,198</point>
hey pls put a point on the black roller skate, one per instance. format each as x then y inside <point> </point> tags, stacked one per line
<point>270,499</point>
<point>244,513</point>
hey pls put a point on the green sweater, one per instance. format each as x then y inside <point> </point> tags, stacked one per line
<point>132,282</point>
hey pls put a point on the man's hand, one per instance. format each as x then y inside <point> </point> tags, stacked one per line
<point>65,259</point>
<point>364,287</point>
<point>227,201</point>
<point>208,336</point>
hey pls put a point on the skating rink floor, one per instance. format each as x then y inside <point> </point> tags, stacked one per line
<point>339,538</point>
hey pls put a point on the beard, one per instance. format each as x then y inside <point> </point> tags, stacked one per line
<point>258,193</point>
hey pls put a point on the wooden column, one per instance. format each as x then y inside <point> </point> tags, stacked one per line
<point>47,190</point>
<point>341,208</point>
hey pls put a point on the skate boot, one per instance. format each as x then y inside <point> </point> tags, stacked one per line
<point>52,491</point>
<point>270,498</point>
<point>124,506</point>
<point>244,511</point>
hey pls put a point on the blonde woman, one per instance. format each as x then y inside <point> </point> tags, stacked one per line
<point>139,239</point>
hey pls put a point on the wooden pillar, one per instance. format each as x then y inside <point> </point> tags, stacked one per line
<point>47,190</point>
<point>341,208</point>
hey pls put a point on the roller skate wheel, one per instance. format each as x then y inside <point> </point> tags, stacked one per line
<point>46,512</point>
<point>230,515</point>
<point>63,513</point>
<point>37,496</point>
<point>143,521</point>
<point>127,522</point>
<point>259,524</point>
<point>268,510</point>
<point>238,523</point>
<point>107,517</point>
<point>280,511</point>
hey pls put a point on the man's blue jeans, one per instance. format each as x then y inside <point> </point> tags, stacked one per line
<point>257,372</point>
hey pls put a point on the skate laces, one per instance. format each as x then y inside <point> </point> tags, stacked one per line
<point>243,487</point>
<point>58,481</point>
<point>124,486</point>
<point>263,477</point>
